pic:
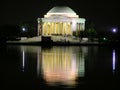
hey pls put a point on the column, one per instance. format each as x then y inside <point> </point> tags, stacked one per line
<point>50,28</point>
<point>38,29</point>
<point>58,27</point>
<point>70,28</point>
<point>83,26</point>
<point>77,26</point>
<point>47,28</point>
<point>66,28</point>
<point>80,27</point>
<point>61,28</point>
<point>77,29</point>
<point>42,28</point>
<point>54,28</point>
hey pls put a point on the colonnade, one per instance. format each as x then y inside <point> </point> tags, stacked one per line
<point>80,26</point>
<point>58,28</point>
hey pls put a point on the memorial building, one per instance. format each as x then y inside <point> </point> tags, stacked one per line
<point>60,20</point>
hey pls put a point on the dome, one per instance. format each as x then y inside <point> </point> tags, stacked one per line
<point>61,9</point>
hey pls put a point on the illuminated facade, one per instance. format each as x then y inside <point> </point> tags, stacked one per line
<point>60,21</point>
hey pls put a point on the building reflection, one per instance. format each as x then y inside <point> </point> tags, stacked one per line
<point>62,65</point>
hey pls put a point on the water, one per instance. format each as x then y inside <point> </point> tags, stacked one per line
<point>81,67</point>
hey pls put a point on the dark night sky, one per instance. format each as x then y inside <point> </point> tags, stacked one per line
<point>102,13</point>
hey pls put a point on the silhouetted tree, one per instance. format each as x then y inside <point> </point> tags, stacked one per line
<point>90,32</point>
<point>8,32</point>
<point>81,34</point>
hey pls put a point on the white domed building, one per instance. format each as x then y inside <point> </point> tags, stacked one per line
<point>60,20</point>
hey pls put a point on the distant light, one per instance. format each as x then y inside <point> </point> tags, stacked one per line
<point>23,29</point>
<point>114,30</point>
<point>104,38</point>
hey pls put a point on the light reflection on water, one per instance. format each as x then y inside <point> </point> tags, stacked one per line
<point>23,59</point>
<point>62,65</point>
<point>113,60</point>
<point>67,66</point>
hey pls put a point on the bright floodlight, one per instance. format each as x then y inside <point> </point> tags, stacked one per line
<point>23,29</point>
<point>114,30</point>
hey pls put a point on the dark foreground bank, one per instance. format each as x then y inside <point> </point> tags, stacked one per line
<point>63,43</point>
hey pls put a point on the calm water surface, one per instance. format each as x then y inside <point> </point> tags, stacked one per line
<point>81,67</point>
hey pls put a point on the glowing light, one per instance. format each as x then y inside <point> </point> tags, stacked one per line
<point>113,60</point>
<point>23,29</point>
<point>114,30</point>
<point>104,38</point>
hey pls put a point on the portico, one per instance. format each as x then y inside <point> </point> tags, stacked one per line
<point>58,28</point>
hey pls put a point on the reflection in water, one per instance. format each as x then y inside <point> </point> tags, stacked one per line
<point>85,66</point>
<point>62,65</point>
<point>29,58</point>
<point>113,60</point>
<point>56,65</point>
<point>23,59</point>
<point>59,66</point>
<point>39,56</point>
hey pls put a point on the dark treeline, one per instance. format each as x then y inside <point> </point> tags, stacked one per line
<point>8,32</point>
<point>14,32</point>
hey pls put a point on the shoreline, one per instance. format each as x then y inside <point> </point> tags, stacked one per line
<point>62,43</point>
